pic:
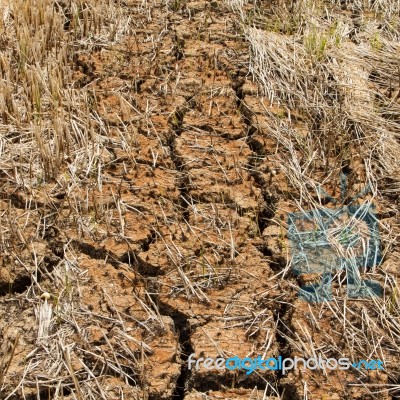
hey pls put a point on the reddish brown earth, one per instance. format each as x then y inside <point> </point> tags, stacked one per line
<point>174,242</point>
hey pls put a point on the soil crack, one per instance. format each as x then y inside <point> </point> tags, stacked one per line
<point>182,326</point>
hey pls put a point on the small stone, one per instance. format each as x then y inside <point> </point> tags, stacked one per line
<point>5,276</point>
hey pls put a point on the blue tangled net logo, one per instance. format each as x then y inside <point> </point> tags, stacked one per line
<point>328,240</point>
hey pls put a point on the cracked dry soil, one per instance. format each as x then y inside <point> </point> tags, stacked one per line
<point>178,250</point>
